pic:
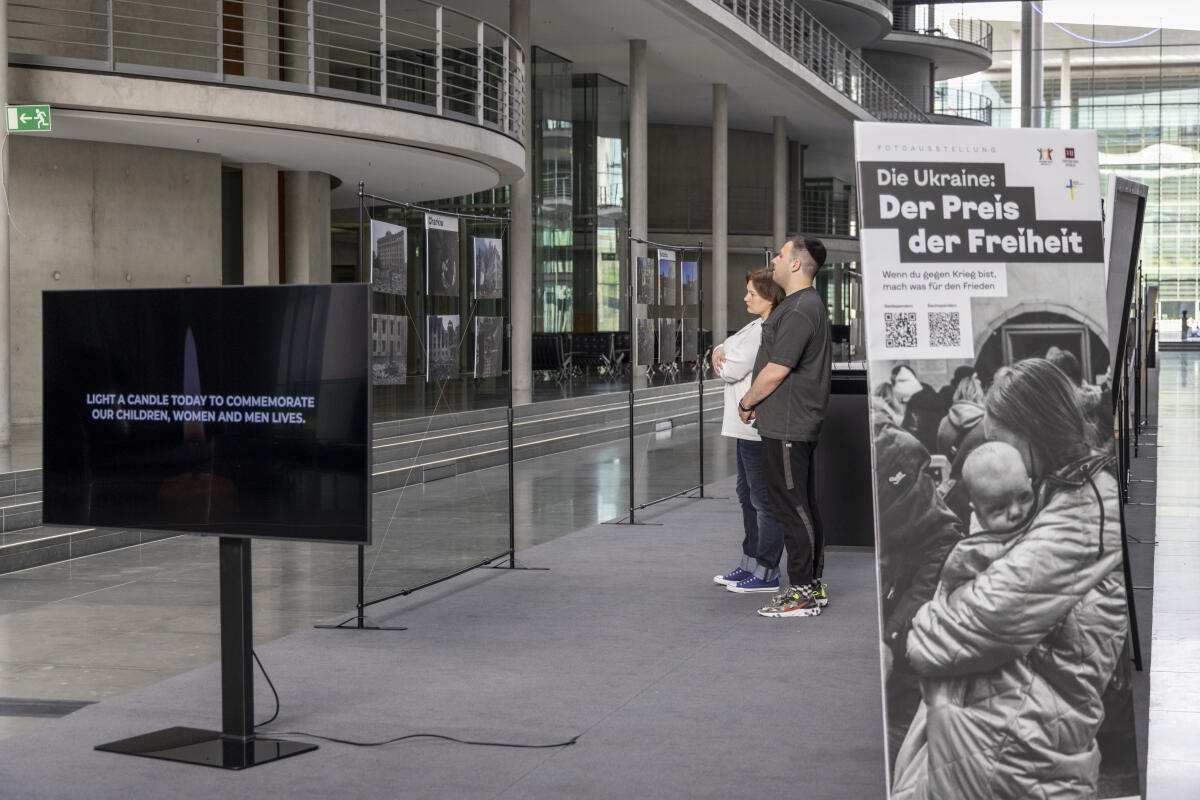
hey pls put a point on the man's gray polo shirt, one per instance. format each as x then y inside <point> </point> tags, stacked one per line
<point>796,335</point>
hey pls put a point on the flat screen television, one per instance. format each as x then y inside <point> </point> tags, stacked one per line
<point>240,410</point>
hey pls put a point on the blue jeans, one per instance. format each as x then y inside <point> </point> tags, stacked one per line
<point>762,545</point>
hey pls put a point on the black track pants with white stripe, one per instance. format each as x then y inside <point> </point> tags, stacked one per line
<point>791,487</point>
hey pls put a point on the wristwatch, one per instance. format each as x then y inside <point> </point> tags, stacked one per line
<point>743,408</point>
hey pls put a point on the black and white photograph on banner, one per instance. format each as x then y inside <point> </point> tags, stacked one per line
<point>647,279</point>
<point>389,258</point>
<point>489,268</point>
<point>689,341</point>
<point>1004,618</point>
<point>489,346</point>
<point>689,279</point>
<point>389,349</point>
<point>645,342</point>
<point>667,329</point>
<point>441,255</point>
<point>667,278</point>
<point>441,347</point>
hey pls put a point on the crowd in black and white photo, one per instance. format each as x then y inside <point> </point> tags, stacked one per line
<point>1003,598</point>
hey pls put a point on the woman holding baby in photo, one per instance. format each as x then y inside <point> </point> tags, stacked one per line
<point>1028,622</point>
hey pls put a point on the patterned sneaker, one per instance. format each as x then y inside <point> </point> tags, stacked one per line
<point>820,593</point>
<point>730,578</point>
<point>754,584</point>
<point>797,601</point>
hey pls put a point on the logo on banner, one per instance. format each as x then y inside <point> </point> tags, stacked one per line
<point>1044,154</point>
<point>1069,156</point>
<point>1072,185</point>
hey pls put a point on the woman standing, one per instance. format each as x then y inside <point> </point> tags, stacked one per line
<point>733,360</point>
<point>1015,661</point>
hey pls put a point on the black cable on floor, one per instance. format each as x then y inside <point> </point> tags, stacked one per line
<point>268,677</point>
<point>567,743</point>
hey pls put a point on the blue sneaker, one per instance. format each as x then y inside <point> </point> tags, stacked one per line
<point>731,578</point>
<point>754,584</point>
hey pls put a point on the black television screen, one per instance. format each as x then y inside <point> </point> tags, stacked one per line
<point>228,410</point>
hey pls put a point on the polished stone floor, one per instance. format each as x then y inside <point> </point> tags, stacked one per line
<point>99,626</point>
<point>104,625</point>
<point>1173,765</point>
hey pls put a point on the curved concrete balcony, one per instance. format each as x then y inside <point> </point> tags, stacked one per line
<point>422,101</point>
<point>855,22</point>
<point>800,35</point>
<point>958,106</point>
<point>956,44</point>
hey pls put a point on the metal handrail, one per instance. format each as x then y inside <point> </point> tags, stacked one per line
<point>934,20</point>
<point>416,56</point>
<point>795,31</point>
<point>962,103</point>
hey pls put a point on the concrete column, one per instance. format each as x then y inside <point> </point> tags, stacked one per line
<point>720,211</point>
<point>799,181</point>
<point>638,137</point>
<point>1026,63</point>
<point>779,179</point>
<point>306,232</point>
<point>5,277</point>
<point>1064,91</point>
<point>260,224</point>
<point>1014,75</point>
<point>520,232</point>
<point>293,56</point>
<point>261,22</point>
<point>1037,91</point>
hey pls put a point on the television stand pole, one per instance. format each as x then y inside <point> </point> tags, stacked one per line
<point>235,746</point>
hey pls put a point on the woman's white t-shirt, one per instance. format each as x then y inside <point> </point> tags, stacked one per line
<point>738,373</point>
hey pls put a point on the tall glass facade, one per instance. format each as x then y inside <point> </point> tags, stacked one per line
<point>1143,99</point>
<point>580,210</point>
<point>601,134</point>
<point>553,193</point>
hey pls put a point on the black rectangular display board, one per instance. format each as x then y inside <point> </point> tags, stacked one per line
<point>240,410</point>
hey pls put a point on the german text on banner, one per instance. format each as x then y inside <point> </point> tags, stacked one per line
<point>998,528</point>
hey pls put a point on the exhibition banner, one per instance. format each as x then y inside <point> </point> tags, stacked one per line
<point>998,522</point>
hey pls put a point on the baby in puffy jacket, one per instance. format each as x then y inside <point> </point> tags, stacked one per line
<point>1002,502</point>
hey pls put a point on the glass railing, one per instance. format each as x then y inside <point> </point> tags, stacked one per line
<point>934,20</point>
<point>791,28</point>
<point>424,57</point>
<point>961,103</point>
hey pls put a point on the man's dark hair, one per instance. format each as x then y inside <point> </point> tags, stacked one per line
<point>814,247</point>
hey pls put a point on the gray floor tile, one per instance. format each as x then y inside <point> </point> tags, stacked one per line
<point>1173,735</point>
<point>1172,780</point>
<point>1175,691</point>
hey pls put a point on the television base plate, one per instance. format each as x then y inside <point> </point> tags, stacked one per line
<point>207,748</point>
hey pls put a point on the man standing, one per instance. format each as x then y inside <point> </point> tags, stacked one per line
<point>788,399</point>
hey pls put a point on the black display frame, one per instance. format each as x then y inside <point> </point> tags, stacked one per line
<point>241,529</point>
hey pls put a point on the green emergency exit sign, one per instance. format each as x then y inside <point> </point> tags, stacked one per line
<point>28,118</point>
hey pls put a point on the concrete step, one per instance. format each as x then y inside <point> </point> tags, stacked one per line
<point>20,511</point>
<point>439,443</point>
<point>404,452</point>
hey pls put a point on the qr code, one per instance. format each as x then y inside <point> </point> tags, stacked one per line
<point>944,330</point>
<point>900,329</point>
